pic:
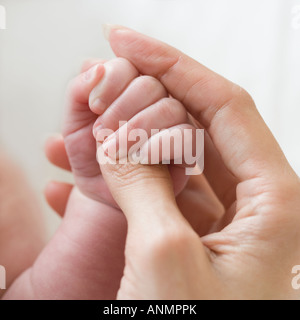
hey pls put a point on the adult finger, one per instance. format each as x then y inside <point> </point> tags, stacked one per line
<point>227,111</point>
<point>129,183</point>
<point>157,231</point>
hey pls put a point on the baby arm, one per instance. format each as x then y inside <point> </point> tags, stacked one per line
<point>85,258</point>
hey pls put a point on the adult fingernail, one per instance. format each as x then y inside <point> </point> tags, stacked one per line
<point>107,28</point>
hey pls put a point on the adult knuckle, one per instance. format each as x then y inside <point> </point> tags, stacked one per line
<point>131,173</point>
<point>125,172</point>
<point>237,99</point>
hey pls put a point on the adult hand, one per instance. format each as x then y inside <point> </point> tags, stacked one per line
<point>256,243</point>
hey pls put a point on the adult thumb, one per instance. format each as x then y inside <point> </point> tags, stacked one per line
<point>143,192</point>
<point>161,246</point>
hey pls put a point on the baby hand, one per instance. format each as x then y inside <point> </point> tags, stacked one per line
<point>143,104</point>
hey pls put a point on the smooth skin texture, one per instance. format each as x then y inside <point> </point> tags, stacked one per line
<point>85,258</point>
<point>165,257</point>
<point>21,225</point>
<point>143,103</point>
<point>252,257</point>
<point>91,239</point>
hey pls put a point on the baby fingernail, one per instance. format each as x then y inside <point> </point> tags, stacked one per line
<point>96,130</point>
<point>98,106</point>
<point>91,73</point>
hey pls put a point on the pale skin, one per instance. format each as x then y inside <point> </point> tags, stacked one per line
<point>93,224</point>
<point>238,239</point>
<point>21,225</point>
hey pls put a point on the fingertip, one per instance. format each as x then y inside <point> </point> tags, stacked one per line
<point>49,193</point>
<point>107,28</point>
<point>48,189</point>
<point>55,152</point>
<point>118,73</point>
<point>57,195</point>
<point>51,143</point>
<point>96,104</point>
<point>89,63</point>
<point>94,73</point>
<point>80,88</point>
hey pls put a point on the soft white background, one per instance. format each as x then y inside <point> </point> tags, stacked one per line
<point>251,42</point>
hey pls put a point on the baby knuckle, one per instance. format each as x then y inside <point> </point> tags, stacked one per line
<point>151,85</point>
<point>125,63</point>
<point>135,124</point>
<point>173,110</point>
